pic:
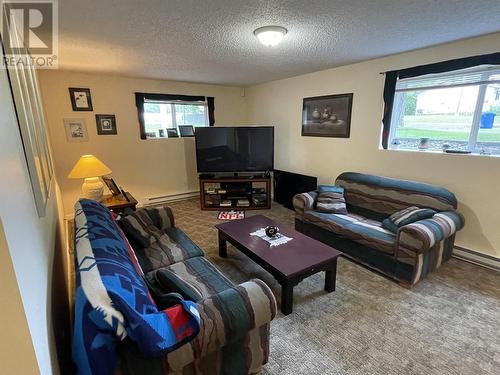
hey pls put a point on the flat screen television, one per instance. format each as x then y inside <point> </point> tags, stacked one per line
<point>235,149</point>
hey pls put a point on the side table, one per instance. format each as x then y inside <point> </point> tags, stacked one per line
<point>118,203</point>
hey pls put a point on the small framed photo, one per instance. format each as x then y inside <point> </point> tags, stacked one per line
<point>112,186</point>
<point>80,99</point>
<point>76,130</point>
<point>172,133</point>
<point>106,124</point>
<point>327,116</point>
<point>186,130</point>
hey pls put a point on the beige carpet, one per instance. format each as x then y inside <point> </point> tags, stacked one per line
<point>447,324</point>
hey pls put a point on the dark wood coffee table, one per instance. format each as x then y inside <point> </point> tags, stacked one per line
<point>289,263</point>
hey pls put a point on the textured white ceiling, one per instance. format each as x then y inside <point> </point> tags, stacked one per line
<point>212,40</point>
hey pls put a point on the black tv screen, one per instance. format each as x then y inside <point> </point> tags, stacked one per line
<point>235,149</point>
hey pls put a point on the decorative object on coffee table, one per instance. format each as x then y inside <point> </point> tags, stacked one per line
<point>288,263</point>
<point>327,116</point>
<point>80,99</point>
<point>272,231</point>
<point>106,124</point>
<point>276,240</point>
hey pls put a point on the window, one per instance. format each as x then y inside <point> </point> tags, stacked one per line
<point>459,110</point>
<point>158,113</point>
<point>160,116</point>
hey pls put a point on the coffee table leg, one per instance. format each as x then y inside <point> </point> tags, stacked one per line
<point>286,298</point>
<point>330,276</point>
<point>222,246</point>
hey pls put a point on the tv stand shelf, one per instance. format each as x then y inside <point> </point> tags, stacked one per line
<point>235,193</point>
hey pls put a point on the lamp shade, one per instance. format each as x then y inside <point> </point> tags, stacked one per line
<point>89,166</point>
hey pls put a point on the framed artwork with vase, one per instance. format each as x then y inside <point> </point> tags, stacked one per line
<point>327,116</point>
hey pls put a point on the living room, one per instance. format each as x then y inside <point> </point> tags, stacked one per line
<point>378,109</point>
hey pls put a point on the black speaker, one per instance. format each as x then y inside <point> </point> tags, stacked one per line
<point>287,184</point>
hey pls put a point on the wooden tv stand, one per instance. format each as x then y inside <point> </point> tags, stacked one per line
<point>232,193</point>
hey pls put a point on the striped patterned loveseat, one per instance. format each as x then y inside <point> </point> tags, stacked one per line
<point>407,255</point>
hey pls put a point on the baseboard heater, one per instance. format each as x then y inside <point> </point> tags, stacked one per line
<point>471,256</point>
<point>153,201</point>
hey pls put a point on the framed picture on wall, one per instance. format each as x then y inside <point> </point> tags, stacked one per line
<point>80,99</point>
<point>106,124</point>
<point>76,130</point>
<point>327,116</point>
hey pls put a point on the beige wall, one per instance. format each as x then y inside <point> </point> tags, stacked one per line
<point>144,167</point>
<point>474,179</point>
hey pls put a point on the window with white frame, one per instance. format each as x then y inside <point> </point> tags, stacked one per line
<point>457,110</point>
<point>159,116</point>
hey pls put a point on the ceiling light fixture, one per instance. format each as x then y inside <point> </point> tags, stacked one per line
<point>270,35</point>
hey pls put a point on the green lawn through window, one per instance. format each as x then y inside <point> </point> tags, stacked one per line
<point>447,128</point>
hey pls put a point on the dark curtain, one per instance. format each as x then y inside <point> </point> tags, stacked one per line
<point>141,97</point>
<point>450,65</point>
<point>389,91</point>
<point>211,110</point>
<point>441,67</point>
<point>139,102</point>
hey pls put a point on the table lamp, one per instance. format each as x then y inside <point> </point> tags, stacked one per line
<point>90,168</point>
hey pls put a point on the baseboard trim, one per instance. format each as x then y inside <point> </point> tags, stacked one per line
<point>153,201</point>
<point>471,256</point>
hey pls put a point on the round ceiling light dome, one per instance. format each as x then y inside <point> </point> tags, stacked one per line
<point>270,35</point>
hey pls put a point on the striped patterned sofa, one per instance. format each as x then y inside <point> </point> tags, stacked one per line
<point>406,256</point>
<point>234,320</point>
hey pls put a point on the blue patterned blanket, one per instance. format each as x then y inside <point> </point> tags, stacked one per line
<point>112,300</point>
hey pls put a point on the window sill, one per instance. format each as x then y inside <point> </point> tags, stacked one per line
<point>476,154</point>
<point>165,138</point>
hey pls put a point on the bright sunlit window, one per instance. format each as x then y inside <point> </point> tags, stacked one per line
<point>160,116</point>
<point>457,110</point>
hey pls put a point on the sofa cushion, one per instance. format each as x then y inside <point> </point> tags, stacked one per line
<point>331,200</point>
<point>355,227</point>
<point>172,246</point>
<point>407,216</point>
<point>330,188</point>
<point>140,228</point>
<point>162,217</point>
<point>170,282</point>
<point>201,275</point>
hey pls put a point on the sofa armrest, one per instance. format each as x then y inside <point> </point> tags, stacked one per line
<point>304,202</point>
<point>226,317</point>
<point>422,235</point>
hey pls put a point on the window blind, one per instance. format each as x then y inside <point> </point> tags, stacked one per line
<point>460,78</point>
